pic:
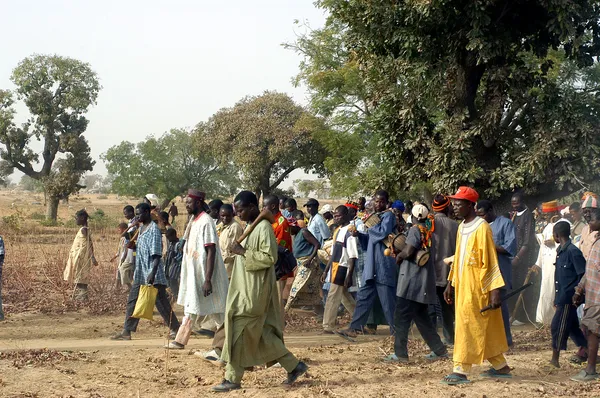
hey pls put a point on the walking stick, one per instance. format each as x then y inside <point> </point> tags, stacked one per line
<point>519,290</point>
<point>264,215</point>
<point>520,299</point>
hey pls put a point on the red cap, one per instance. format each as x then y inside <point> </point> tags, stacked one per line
<point>466,193</point>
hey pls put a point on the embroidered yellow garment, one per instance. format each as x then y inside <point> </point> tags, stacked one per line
<point>474,275</point>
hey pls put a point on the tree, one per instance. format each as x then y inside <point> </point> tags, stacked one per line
<point>484,93</point>
<point>29,184</point>
<point>266,137</point>
<point>58,92</point>
<point>167,166</point>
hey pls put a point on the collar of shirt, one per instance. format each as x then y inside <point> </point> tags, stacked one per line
<point>520,213</point>
<point>564,247</point>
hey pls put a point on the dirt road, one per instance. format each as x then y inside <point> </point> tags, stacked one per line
<point>71,356</point>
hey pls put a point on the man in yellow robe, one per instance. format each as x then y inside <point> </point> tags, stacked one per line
<point>476,279</point>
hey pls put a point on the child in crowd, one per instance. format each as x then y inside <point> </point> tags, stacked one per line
<point>125,258</point>
<point>569,268</point>
<point>121,228</point>
<point>590,286</point>
<point>173,259</point>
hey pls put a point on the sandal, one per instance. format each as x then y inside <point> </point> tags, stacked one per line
<point>584,376</point>
<point>453,379</point>
<point>121,337</point>
<point>395,358</point>
<point>432,356</point>
<point>577,360</point>
<point>173,345</point>
<point>493,373</point>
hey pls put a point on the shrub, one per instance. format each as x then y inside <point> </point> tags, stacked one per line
<point>36,215</point>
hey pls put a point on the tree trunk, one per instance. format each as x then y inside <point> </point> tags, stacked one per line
<point>51,208</point>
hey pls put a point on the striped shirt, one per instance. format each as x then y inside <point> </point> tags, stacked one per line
<point>592,276</point>
<point>149,244</point>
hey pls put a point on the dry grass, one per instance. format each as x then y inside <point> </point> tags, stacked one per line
<point>36,256</point>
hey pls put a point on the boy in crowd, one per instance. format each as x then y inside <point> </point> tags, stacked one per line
<point>569,268</point>
<point>121,228</point>
<point>590,286</point>
<point>173,258</point>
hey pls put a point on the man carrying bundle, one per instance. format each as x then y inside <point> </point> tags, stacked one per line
<point>380,275</point>
<point>253,327</point>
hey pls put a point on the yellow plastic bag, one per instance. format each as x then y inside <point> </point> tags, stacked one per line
<point>144,306</point>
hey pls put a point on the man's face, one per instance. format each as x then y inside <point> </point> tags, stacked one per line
<point>575,215</point>
<point>312,209</point>
<point>191,205</point>
<point>281,204</point>
<point>244,212</point>
<point>462,207</point>
<point>587,214</point>
<point>339,218</point>
<point>483,214</point>
<point>226,216</point>
<point>273,207</point>
<point>555,238</point>
<point>361,203</point>
<point>351,212</point>
<point>143,216</point>
<point>214,213</point>
<point>594,222</point>
<point>172,237</point>
<point>516,203</point>
<point>380,203</point>
<point>128,214</point>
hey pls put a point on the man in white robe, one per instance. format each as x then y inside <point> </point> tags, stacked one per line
<point>204,282</point>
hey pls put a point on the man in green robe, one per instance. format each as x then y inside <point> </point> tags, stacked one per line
<point>253,334</point>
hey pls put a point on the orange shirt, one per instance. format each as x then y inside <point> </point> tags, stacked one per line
<point>281,227</point>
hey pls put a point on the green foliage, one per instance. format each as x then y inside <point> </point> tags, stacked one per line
<point>483,93</point>
<point>99,213</point>
<point>266,137</point>
<point>58,92</point>
<point>13,222</point>
<point>37,216</point>
<point>29,184</point>
<point>168,166</point>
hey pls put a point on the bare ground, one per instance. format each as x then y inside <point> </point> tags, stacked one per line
<point>70,356</point>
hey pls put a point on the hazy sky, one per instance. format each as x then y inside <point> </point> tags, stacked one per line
<point>162,64</point>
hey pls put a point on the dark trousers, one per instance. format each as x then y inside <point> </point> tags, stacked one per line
<point>162,305</point>
<point>506,318</point>
<point>527,309</point>
<point>565,324</point>
<point>365,299</point>
<point>408,311</point>
<point>447,312</point>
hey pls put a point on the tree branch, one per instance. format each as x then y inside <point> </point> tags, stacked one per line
<point>282,177</point>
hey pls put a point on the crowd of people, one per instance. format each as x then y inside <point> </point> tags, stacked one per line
<point>454,262</point>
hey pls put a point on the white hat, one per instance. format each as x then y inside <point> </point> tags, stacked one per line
<point>326,208</point>
<point>153,199</point>
<point>420,212</point>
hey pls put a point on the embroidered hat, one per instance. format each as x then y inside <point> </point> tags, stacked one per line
<point>590,202</point>
<point>550,207</point>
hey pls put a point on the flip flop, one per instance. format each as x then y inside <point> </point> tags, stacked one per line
<point>584,376</point>
<point>454,380</point>
<point>578,360</point>
<point>395,358</point>
<point>493,373</point>
<point>173,345</point>
<point>345,336</point>
<point>432,356</point>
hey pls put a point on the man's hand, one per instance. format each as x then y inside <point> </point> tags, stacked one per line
<point>550,243</point>
<point>324,275</point>
<point>150,278</point>
<point>207,288</point>
<point>448,293</point>
<point>535,269</point>
<point>495,301</point>
<point>236,248</point>
<point>577,299</point>
<point>348,281</point>
<point>399,259</point>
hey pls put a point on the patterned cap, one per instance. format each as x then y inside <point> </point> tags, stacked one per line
<point>590,202</point>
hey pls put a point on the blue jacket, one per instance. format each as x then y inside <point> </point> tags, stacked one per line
<point>504,233</point>
<point>379,267</point>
